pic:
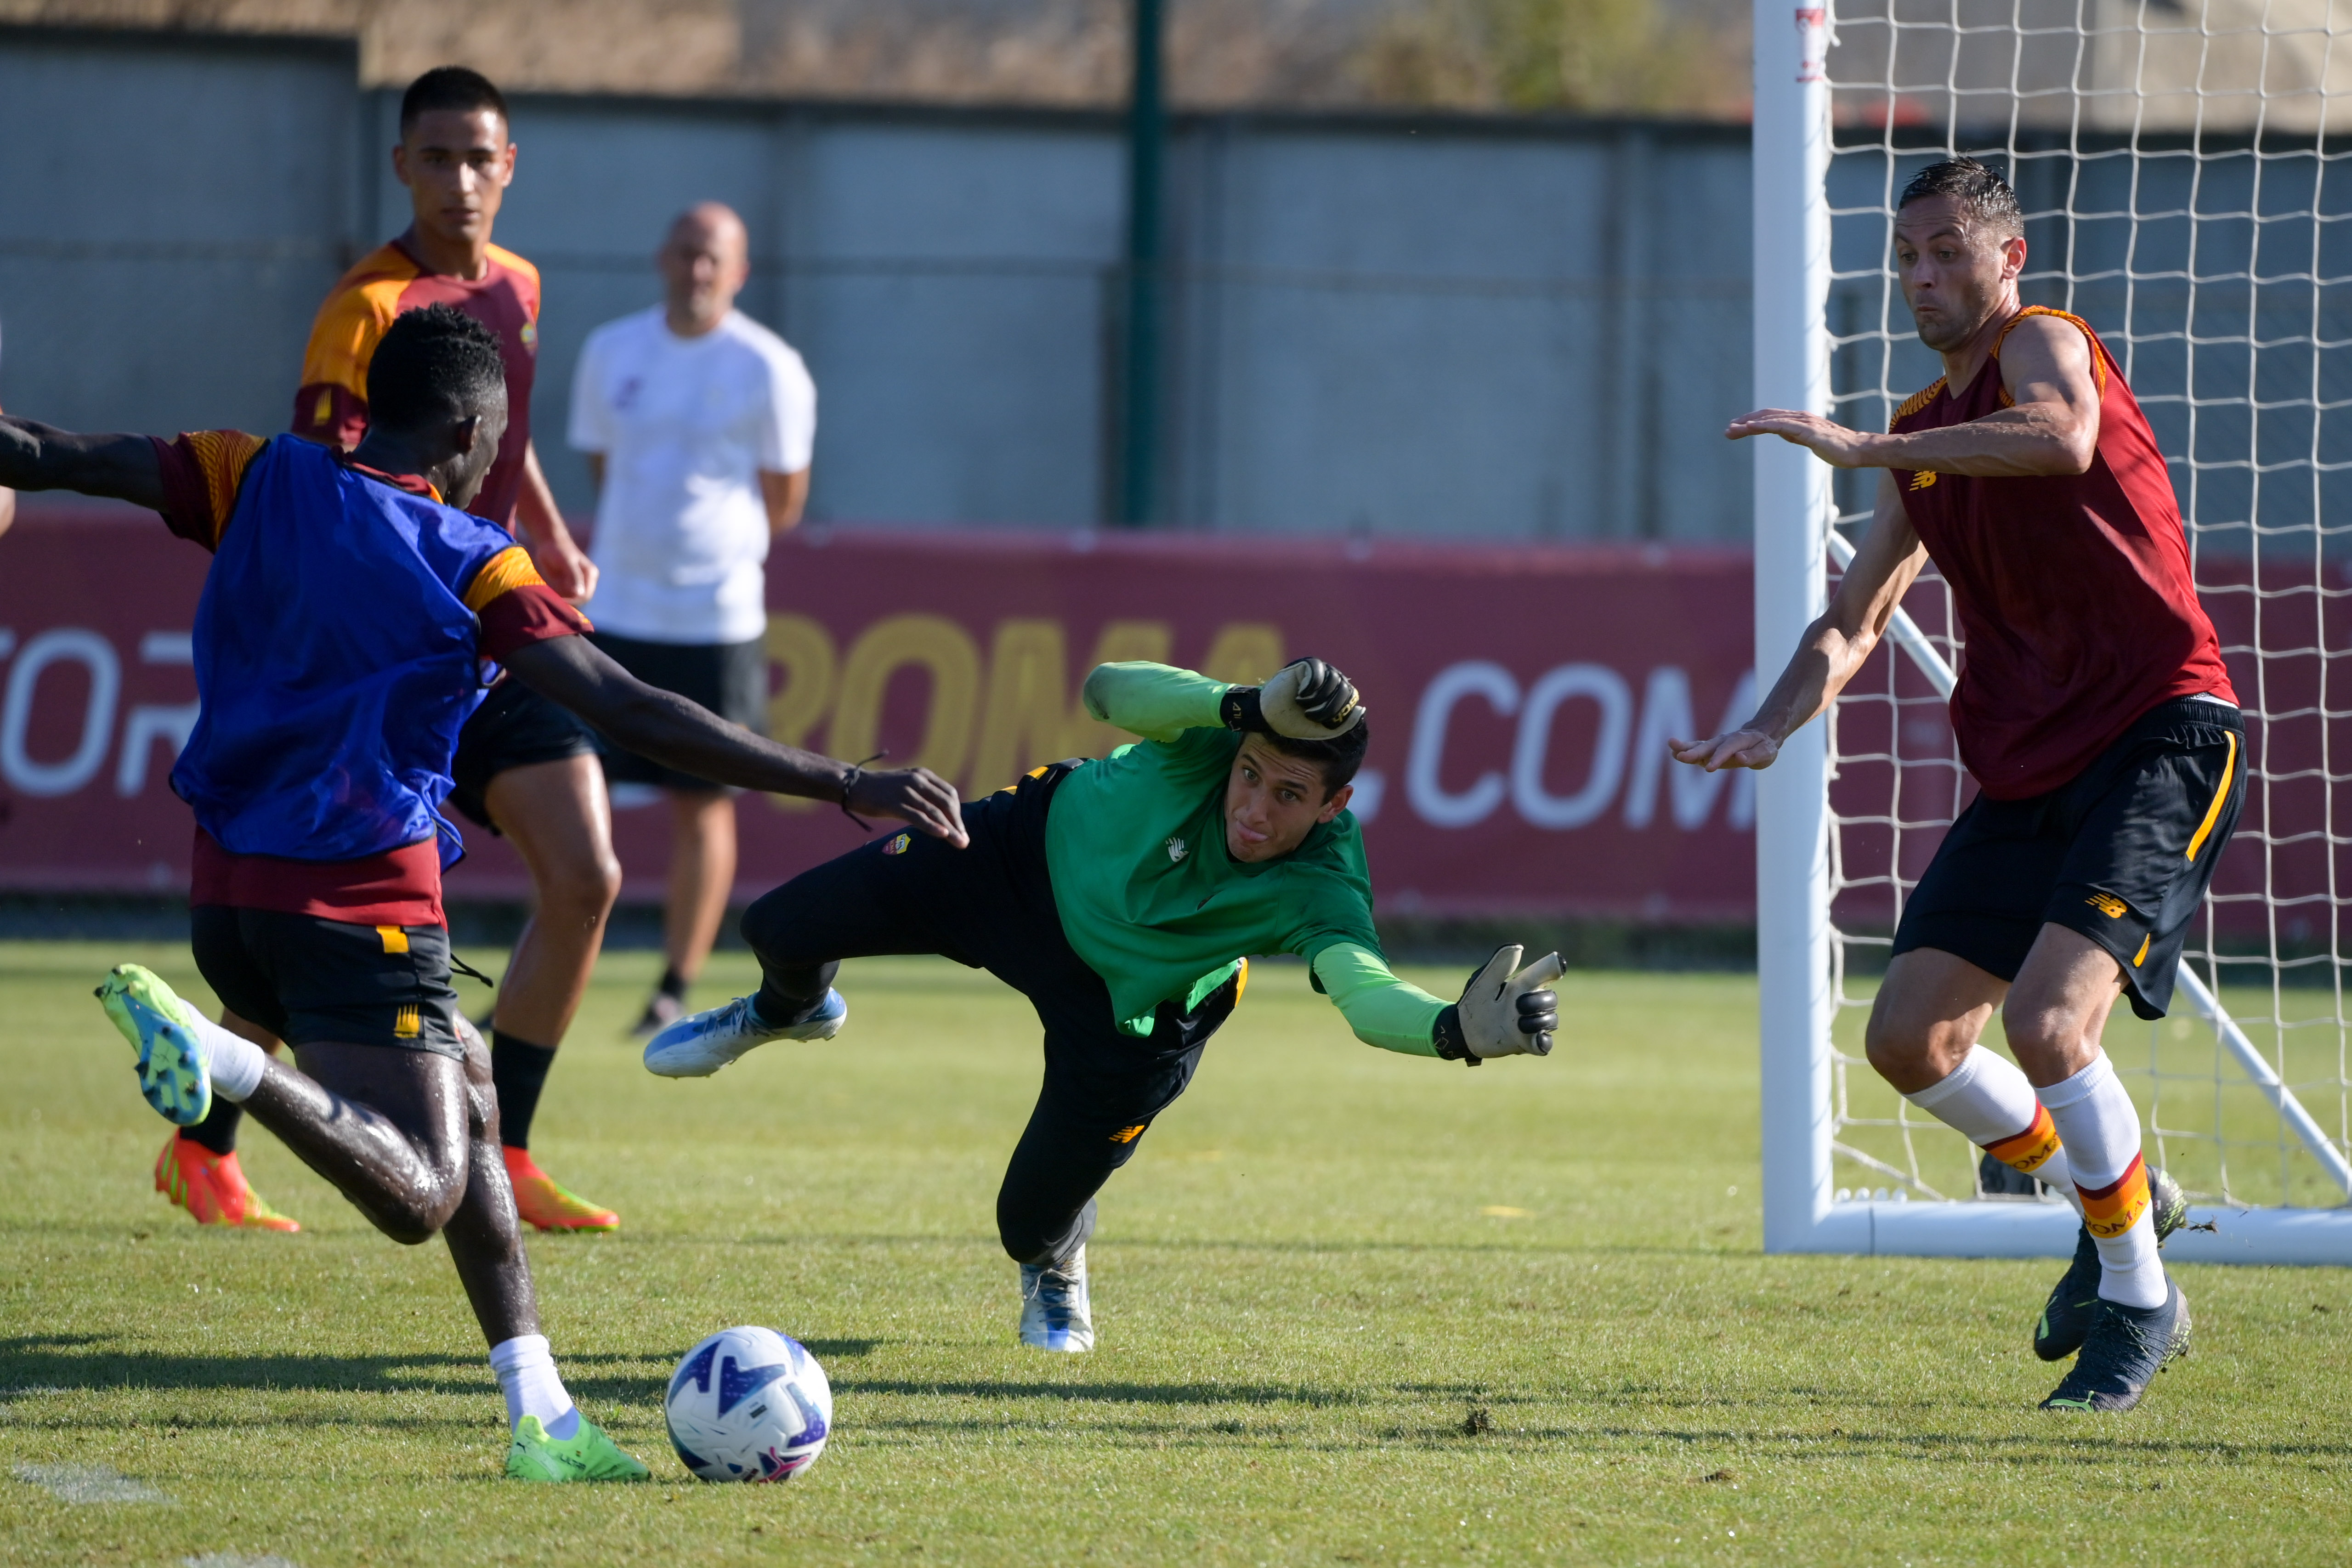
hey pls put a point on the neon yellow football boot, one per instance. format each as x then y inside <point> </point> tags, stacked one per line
<point>588,1455</point>
<point>174,1073</point>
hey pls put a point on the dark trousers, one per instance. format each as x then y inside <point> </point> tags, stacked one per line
<point>991,907</point>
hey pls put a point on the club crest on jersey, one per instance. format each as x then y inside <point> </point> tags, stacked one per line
<point>899,845</point>
<point>529,335</point>
<point>1178,849</point>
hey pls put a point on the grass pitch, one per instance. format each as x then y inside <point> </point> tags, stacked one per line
<point>1354,1308</point>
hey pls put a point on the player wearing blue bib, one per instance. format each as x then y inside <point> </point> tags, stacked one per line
<point>341,641</point>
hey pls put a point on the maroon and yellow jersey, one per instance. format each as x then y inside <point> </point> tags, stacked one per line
<point>332,405</point>
<point>2073,591</point>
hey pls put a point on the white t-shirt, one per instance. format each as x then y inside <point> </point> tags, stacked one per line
<point>686,426</point>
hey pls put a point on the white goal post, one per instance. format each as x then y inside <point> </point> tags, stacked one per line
<point>2177,160</point>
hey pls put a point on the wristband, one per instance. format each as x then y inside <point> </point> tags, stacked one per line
<point>1239,710</point>
<point>1447,1035</point>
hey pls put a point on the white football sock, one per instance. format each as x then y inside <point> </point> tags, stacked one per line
<point>234,1061</point>
<point>1988,1100</point>
<point>527,1376</point>
<point>2094,1114</point>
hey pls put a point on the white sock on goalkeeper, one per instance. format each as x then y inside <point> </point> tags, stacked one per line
<point>1988,1100</point>
<point>2094,1114</point>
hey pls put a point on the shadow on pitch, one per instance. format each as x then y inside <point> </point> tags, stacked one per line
<point>78,1363</point>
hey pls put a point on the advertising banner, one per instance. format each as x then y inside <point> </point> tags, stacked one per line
<point>1519,698</point>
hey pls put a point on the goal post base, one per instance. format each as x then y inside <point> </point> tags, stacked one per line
<point>2302,1237</point>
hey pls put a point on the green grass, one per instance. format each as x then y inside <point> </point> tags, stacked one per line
<point>1320,1263</point>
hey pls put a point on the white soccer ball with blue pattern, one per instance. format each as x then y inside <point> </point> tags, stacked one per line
<point>748,1404</point>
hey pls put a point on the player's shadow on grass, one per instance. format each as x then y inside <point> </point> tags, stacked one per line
<point>73,1361</point>
<point>1104,1393</point>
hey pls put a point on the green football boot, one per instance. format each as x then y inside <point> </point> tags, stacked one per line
<point>173,1072</point>
<point>585,1456</point>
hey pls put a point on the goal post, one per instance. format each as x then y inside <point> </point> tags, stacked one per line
<point>2178,166</point>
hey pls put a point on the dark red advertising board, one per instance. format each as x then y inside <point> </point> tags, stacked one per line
<point>1519,696</point>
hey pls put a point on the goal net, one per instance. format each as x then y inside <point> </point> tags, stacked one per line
<point>2183,166</point>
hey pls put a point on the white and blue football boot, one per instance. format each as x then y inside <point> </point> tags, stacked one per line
<point>1055,1314</point>
<point>699,1044</point>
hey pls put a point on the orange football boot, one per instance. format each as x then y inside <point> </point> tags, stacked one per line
<point>212,1188</point>
<point>547,1205</point>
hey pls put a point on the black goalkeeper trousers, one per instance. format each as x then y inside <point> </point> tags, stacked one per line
<point>991,907</point>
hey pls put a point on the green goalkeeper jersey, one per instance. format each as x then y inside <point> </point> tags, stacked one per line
<point>1152,901</point>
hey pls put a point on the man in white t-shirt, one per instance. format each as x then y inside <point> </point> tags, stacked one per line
<point>698,424</point>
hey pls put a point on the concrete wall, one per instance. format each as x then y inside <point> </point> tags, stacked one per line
<point>1458,329</point>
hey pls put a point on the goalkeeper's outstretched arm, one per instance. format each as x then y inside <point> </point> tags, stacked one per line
<point>1889,558</point>
<point>1505,1010</point>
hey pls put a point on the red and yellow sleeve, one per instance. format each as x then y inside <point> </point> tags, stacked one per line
<point>331,406</point>
<point>201,473</point>
<point>516,607</point>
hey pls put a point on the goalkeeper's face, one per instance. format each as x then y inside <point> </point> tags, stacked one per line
<point>1273,800</point>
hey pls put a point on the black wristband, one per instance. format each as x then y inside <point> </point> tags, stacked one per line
<point>1239,710</point>
<point>1447,1035</point>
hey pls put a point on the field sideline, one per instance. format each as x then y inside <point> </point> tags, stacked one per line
<point>1322,1266</point>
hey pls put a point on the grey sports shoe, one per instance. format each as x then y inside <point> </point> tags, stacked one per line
<point>1055,1314</point>
<point>2123,1351</point>
<point>2066,1315</point>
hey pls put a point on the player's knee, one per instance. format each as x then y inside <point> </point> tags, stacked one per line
<point>583,888</point>
<point>1906,1052</point>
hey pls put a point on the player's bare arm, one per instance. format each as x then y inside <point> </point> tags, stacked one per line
<point>673,731</point>
<point>540,524</point>
<point>786,496</point>
<point>1889,558</point>
<point>34,456</point>
<point>2047,367</point>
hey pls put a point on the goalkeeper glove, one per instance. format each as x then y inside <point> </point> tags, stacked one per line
<point>1505,1010</point>
<point>1306,700</point>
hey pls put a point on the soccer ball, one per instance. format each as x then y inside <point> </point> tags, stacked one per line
<point>748,1404</point>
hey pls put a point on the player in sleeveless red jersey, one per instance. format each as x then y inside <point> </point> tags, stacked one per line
<point>2094,712</point>
<point>525,767</point>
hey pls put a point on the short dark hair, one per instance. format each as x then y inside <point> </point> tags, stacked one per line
<point>451,86</point>
<point>1339,757</point>
<point>1982,196</point>
<point>434,364</point>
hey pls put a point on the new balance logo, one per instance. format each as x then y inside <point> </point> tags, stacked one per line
<point>1129,1134</point>
<point>1178,849</point>
<point>1922,480</point>
<point>2108,905</point>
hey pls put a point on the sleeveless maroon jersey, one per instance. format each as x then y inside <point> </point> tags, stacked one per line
<point>2073,592</point>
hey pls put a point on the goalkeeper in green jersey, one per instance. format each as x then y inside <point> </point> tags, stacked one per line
<point>1123,897</point>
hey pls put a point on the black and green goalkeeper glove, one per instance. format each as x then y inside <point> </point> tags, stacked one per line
<point>1505,1010</point>
<point>1307,699</point>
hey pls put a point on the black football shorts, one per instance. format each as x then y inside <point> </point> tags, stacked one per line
<point>2122,852</point>
<point>514,728</point>
<point>730,679</point>
<point>312,981</point>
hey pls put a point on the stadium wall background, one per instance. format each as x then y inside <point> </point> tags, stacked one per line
<point>1397,326</point>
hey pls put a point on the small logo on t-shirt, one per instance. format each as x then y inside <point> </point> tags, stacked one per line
<point>1178,849</point>
<point>899,845</point>
<point>1922,480</point>
<point>529,335</point>
<point>628,393</point>
<point>2108,905</point>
